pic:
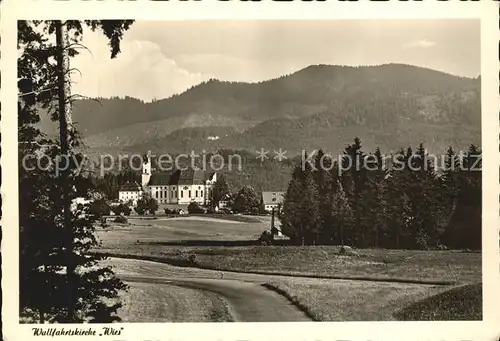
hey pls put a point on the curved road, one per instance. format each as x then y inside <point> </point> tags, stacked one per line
<point>247,300</point>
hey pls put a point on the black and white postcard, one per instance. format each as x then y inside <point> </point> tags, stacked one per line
<point>219,170</point>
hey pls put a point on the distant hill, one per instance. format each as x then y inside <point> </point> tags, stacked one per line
<point>389,106</point>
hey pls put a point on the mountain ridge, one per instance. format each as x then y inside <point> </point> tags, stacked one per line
<point>385,104</point>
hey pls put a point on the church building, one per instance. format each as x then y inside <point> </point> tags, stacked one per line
<point>178,186</point>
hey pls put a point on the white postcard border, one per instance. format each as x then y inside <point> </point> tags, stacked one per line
<point>486,10</point>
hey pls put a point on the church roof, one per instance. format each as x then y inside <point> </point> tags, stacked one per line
<point>160,179</point>
<point>191,176</point>
<point>187,176</point>
<point>130,187</point>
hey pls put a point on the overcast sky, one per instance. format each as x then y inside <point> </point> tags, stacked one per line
<point>160,59</point>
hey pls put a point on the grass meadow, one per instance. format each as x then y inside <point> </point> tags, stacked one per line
<point>388,286</point>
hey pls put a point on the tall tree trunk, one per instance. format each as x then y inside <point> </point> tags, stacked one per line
<point>64,107</point>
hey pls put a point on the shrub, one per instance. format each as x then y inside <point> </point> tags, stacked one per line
<point>192,259</point>
<point>126,210</point>
<point>100,208</point>
<point>139,210</point>
<point>146,204</point>
<point>347,251</point>
<point>247,201</point>
<point>266,238</point>
<point>194,207</point>
<point>117,210</point>
<point>121,220</point>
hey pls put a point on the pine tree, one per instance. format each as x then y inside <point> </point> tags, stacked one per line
<point>372,201</point>
<point>323,183</point>
<point>220,189</point>
<point>424,200</point>
<point>55,238</point>
<point>449,189</point>
<point>464,228</point>
<point>397,217</point>
<point>342,217</point>
<point>300,208</point>
<point>353,181</point>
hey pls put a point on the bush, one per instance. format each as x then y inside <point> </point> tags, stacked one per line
<point>139,210</point>
<point>246,201</point>
<point>146,204</point>
<point>117,210</point>
<point>99,208</point>
<point>168,211</point>
<point>266,238</point>
<point>192,259</point>
<point>194,208</point>
<point>126,210</point>
<point>347,251</point>
<point>210,210</point>
<point>103,222</point>
<point>121,220</point>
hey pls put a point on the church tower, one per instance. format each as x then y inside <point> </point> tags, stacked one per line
<point>146,172</point>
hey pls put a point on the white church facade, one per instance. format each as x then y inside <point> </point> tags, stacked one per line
<point>179,186</point>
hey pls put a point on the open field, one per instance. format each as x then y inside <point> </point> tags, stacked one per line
<point>225,245</point>
<point>191,228</point>
<point>372,301</point>
<point>152,302</point>
<point>353,300</point>
<point>461,303</point>
<point>381,290</point>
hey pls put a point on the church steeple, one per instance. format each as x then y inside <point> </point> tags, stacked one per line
<point>146,171</point>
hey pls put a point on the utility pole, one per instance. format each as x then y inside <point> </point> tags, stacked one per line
<point>272,219</point>
<point>65,122</point>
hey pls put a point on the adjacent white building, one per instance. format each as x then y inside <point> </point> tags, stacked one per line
<point>130,192</point>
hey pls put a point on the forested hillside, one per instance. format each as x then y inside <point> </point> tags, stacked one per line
<point>319,106</point>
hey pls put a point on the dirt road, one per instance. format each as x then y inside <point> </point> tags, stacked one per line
<point>246,299</point>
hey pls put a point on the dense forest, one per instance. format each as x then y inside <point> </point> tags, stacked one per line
<point>410,204</point>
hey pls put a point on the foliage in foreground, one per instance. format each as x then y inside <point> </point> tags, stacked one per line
<point>59,280</point>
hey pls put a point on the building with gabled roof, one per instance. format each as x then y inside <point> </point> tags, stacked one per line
<point>272,200</point>
<point>181,186</point>
<point>130,192</point>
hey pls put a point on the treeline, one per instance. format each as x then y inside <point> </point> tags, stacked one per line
<point>366,202</point>
<point>109,185</point>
